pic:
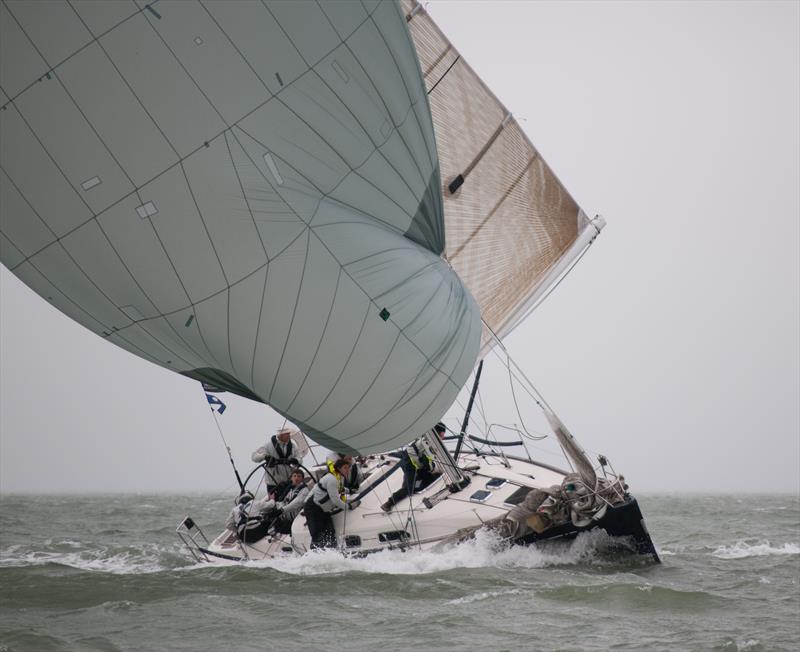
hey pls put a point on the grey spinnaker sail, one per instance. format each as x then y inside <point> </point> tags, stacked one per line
<point>247,193</point>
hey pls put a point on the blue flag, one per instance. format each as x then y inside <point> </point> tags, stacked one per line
<point>215,403</point>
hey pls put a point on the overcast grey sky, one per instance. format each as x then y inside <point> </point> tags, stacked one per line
<point>673,347</point>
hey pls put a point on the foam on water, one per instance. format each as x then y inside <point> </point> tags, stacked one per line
<point>742,549</point>
<point>484,551</point>
<point>149,559</point>
<point>477,597</point>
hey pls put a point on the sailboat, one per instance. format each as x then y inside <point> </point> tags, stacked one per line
<point>317,206</point>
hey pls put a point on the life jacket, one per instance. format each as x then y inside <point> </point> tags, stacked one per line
<point>340,487</point>
<point>243,520</point>
<point>291,493</point>
<point>419,459</point>
<point>282,455</point>
<point>351,482</point>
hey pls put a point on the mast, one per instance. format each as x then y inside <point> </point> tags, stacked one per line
<point>465,423</point>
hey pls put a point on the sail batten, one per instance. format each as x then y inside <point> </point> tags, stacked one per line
<point>508,219</point>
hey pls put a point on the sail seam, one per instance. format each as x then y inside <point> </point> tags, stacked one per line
<point>352,350</point>
<point>188,74</point>
<point>294,314</point>
<point>233,45</point>
<point>95,39</point>
<point>369,387</point>
<point>241,187</point>
<point>430,146</point>
<point>321,338</point>
<point>58,241</point>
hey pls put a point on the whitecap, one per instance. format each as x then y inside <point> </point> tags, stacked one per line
<point>149,559</point>
<point>476,597</point>
<point>484,551</point>
<point>742,549</point>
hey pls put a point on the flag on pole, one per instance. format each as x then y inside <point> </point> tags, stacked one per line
<point>215,404</point>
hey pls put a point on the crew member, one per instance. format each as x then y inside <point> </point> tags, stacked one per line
<point>419,470</point>
<point>326,498</point>
<point>289,503</point>
<point>353,479</point>
<point>279,456</point>
<point>250,518</point>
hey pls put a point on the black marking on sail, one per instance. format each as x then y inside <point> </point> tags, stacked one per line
<point>458,181</point>
<point>189,321</point>
<point>278,77</point>
<point>153,11</point>
<point>427,226</point>
<point>455,184</point>
<point>223,380</point>
<point>384,314</point>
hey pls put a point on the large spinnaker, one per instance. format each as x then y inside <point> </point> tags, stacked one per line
<point>509,222</point>
<point>246,193</point>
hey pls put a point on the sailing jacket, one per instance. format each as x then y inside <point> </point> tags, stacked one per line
<point>277,455</point>
<point>419,456</point>
<point>249,514</point>
<point>292,501</point>
<point>328,493</point>
<point>353,479</point>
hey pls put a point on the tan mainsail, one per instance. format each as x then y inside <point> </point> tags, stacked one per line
<point>508,220</point>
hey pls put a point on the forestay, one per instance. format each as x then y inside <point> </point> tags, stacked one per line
<point>508,219</point>
<point>248,193</point>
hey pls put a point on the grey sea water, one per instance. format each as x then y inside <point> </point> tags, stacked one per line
<point>107,573</point>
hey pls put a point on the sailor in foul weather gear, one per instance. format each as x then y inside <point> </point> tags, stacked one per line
<point>326,498</point>
<point>279,456</point>
<point>419,469</point>
<point>254,519</point>
<point>290,501</point>
<point>249,518</point>
<point>356,475</point>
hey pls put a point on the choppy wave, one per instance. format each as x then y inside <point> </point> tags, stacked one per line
<point>743,549</point>
<point>149,558</point>
<point>484,595</point>
<point>484,551</point>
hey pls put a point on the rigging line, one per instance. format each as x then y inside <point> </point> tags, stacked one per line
<point>482,411</point>
<point>539,401</point>
<point>514,397</point>
<point>227,448</point>
<point>536,395</point>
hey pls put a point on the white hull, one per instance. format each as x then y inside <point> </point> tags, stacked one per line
<point>429,517</point>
